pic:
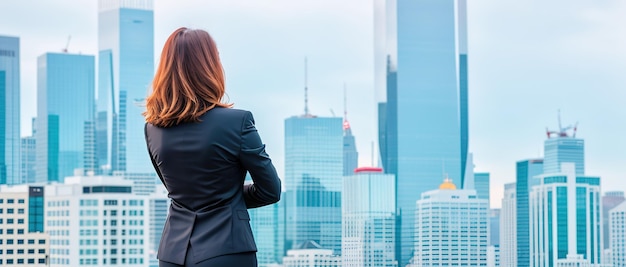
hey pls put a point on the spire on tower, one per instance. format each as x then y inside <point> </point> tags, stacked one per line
<point>346,124</point>
<point>306,90</point>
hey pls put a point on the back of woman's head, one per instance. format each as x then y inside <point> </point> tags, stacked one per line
<point>189,80</point>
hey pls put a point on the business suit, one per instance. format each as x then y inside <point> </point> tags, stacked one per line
<point>203,167</point>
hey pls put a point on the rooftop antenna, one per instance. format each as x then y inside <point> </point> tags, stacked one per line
<point>559,117</point>
<point>67,44</point>
<point>306,89</point>
<point>346,124</point>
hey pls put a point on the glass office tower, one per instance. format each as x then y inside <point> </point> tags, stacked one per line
<point>369,219</point>
<point>561,149</point>
<point>10,110</point>
<point>125,71</point>
<point>423,124</point>
<point>65,104</point>
<point>525,170</point>
<point>313,181</point>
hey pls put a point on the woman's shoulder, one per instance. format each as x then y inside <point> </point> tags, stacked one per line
<point>229,111</point>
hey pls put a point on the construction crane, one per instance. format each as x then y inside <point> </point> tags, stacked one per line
<point>562,132</point>
<point>67,45</point>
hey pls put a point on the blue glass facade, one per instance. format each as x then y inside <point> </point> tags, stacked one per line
<point>424,132</point>
<point>10,110</point>
<point>36,209</point>
<point>313,181</point>
<point>266,229</point>
<point>126,69</point>
<point>350,155</point>
<point>564,149</point>
<point>481,184</point>
<point>369,220</point>
<point>525,171</point>
<point>65,104</point>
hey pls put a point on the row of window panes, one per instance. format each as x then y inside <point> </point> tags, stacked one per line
<point>21,241</point>
<point>21,251</point>
<point>11,221</point>
<point>21,261</point>
<point>63,203</point>
<point>12,211</point>
<point>12,231</point>
<point>12,200</point>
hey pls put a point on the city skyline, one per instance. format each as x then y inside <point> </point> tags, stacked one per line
<point>517,124</point>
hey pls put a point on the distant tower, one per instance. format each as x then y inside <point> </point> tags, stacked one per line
<point>65,108</point>
<point>10,110</point>
<point>525,171</point>
<point>617,226</point>
<point>508,228</point>
<point>438,212</point>
<point>313,180</point>
<point>563,146</point>
<point>565,221</point>
<point>368,218</point>
<point>610,200</point>
<point>350,155</point>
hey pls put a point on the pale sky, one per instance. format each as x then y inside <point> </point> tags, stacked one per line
<point>527,59</point>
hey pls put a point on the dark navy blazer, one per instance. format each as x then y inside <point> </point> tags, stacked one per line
<point>203,166</point>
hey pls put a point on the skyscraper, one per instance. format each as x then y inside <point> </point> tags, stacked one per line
<point>65,104</point>
<point>368,219</point>
<point>508,228</point>
<point>617,226</point>
<point>313,172</point>
<point>525,171</point>
<point>125,71</point>
<point>565,219</point>
<point>451,228</point>
<point>314,165</point>
<point>29,157</point>
<point>610,200</point>
<point>350,155</point>
<point>9,110</point>
<point>494,227</point>
<point>562,146</point>
<point>421,64</point>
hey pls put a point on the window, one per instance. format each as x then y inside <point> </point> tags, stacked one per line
<point>42,241</point>
<point>42,251</point>
<point>10,201</point>
<point>10,211</point>
<point>31,241</point>
<point>21,201</point>
<point>31,251</point>
<point>42,261</point>
<point>31,261</point>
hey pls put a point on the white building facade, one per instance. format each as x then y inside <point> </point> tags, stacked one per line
<point>21,241</point>
<point>508,227</point>
<point>617,225</point>
<point>565,219</point>
<point>451,228</point>
<point>369,219</point>
<point>311,258</point>
<point>99,221</point>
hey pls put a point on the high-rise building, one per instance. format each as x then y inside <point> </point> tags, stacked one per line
<point>451,228</point>
<point>562,146</point>
<point>350,154</point>
<point>311,254</point>
<point>565,219</point>
<point>313,172</point>
<point>369,219</point>
<point>24,242</point>
<point>494,227</point>
<point>610,200</point>
<point>125,71</point>
<point>617,227</point>
<point>493,256</point>
<point>481,184</point>
<point>98,220</point>
<point>525,171</point>
<point>10,110</point>
<point>508,227</point>
<point>421,67</point>
<point>65,104</point>
<point>29,157</point>
<point>266,229</point>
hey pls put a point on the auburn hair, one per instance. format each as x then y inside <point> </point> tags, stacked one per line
<point>188,82</point>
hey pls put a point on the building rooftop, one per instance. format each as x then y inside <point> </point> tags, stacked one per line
<point>447,185</point>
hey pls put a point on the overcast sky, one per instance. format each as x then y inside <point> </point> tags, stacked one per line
<point>527,59</point>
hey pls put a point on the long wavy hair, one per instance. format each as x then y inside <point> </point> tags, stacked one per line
<point>188,82</point>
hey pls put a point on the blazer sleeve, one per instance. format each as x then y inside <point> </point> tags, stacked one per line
<point>266,186</point>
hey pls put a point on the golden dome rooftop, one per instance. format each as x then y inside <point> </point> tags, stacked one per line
<point>447,185</point>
